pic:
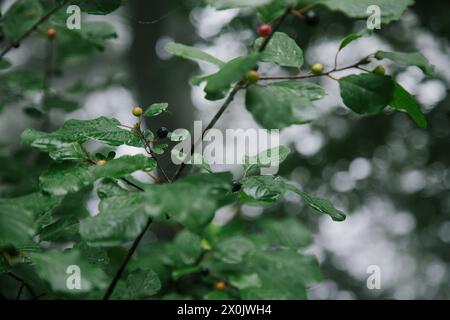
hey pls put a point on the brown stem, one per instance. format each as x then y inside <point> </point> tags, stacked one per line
<point>211,124</point>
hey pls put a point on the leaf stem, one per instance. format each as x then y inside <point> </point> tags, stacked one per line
<point>33,27</point>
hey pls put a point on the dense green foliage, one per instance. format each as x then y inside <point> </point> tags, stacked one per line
<point>44,232</point>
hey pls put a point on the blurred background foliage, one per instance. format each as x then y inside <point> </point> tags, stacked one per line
<point>390,176</point>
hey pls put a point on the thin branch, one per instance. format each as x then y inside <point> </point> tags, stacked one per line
<point>124,264</point>
<point>315,75</point>
<point>211,124</point>
<point>20,291</point>
<point>33,27</point>
<point>24,283</point>
<point>132,184</point>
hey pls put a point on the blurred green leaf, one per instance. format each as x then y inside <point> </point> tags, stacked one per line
<point>20,17</point>
<point>408,59</point>
<point>192,53</point>
<point>52,267</point>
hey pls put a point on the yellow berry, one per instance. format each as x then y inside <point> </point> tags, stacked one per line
<point>317,68</point>
<point>101,162</point>
<point>252,76</point>
<point>137,111</point>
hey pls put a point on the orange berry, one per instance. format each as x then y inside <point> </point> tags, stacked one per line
<point>101,162</point>
<point>51,33</point>
<point>220,285</point>
<point>137,111</point>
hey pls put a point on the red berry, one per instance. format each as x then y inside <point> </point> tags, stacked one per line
<point>265,30</point>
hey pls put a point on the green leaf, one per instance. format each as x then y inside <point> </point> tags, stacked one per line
<point>102,129</point>
<point>53,101</point>
<point>233,250</point>
<point>219,83</point>
<point>20,17</point>
<point>64,228</point>
<point>282,104</point>
<point>366,93</point>
<point>18,217</point>
<point>121,219</point>
<point>192,53</point>
<point>321,205</point>
<point>155,109</point>
<point>352,37</point>
<point>17,225</point>
<point>142,284</point>
<point>389,10</point>
<point>245,281</point>
<point>99,7</point>
<point>191,201</point>
<point>64,178</point>
<point>266,159</point>
<point>285,233</point>
<point>281,50</point>
<point>185,249</point>
<point>95,256</point>
<point>408,59</point>
<point>262,190</point>
<point>283,274</point>
<point>403,100</point>
<point>4,64</point>
<point>57,149</point>
<point>52,266</point>
<point>97,32</point>
<point>273,10</point>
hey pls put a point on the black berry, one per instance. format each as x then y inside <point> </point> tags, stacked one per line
<point>236,186</point>
<point>162,133</point>
<point>311,18</point>
<point>205,272</point>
